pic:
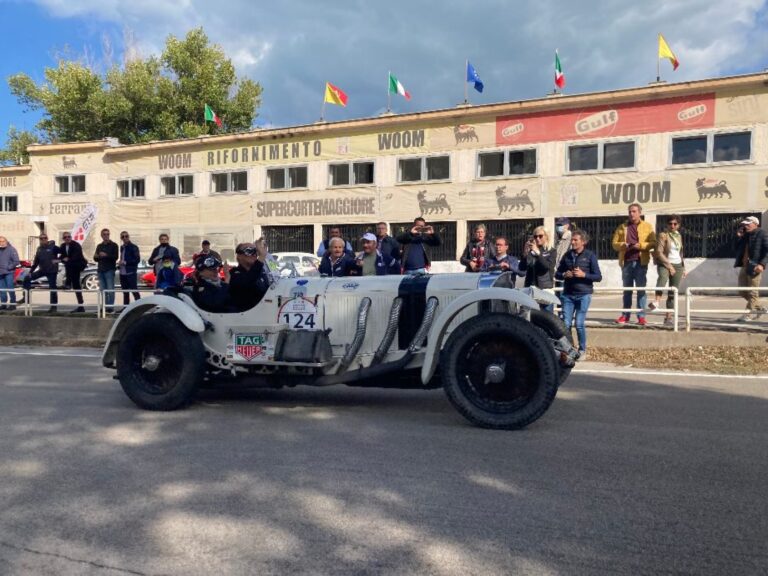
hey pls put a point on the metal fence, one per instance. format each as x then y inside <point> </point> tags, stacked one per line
<point>289,238</point>
<point>515,231</point>
<point>600,230</point>
<point>690,300</point>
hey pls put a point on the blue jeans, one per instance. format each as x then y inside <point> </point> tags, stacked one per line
<point>415,272</point>
<point>633,274</point>
<point>578,303</point>
<point>6,281</point>
<point>107,282</point>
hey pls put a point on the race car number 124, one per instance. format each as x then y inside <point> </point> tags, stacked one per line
<point>298,313</point>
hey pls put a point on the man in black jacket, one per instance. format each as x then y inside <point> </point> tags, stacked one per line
<point>385,244</point>
<point>415,256</point>
<point>130,256</point>
<point>751,258</point>
<point>248,281</point>
<point>106,256</point>
<point>71,254</point>
<point>46,264</point>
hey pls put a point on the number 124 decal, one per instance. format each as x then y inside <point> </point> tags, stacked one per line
<point>298,319</point>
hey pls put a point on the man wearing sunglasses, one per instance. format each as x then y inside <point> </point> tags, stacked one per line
<point>71,253</point>
<point>248,281</point>
<point>106,256</point>
<point>46,264</point>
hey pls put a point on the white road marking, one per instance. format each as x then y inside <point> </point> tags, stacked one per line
<point>632,372</point>
<point>64,355</point>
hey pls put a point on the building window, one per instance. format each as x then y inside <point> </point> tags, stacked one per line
<point>510,163</point>
<point>130,188</point>
<point>70,184</point>
<point>600,230</point>
<point>601,156</point>
<point>177,185</point>
<point>9,203</point>
<point>424,169</point>
<point>230,182</point>
<point>712,148</point>
<point>351,174</point>
<point>289,238</point>
<point>287,178</point>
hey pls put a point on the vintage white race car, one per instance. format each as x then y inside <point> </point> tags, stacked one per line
<point>499,358</point>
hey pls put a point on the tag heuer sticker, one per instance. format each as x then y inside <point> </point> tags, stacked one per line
<point>250,346</point>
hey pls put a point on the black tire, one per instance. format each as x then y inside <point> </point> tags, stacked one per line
<point>529,378</point>
<point>555,329</point>
<point>180,367</point>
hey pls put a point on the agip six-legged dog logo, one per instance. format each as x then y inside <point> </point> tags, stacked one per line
<point>517,202</point>
<point>438,205</point>
<point>711,188</point>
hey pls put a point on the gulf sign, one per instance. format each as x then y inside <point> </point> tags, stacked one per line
<point>667,115</point>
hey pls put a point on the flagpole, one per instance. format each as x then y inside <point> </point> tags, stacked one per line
<point>554,90</point>
<point>322,108</point>
<point>658,67</point>
<point>389,94</point>
<point>466,94</point>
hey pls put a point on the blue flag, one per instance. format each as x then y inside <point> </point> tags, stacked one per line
<point>473,77</point>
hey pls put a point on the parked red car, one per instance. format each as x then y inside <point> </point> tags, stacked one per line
<point>148,279</point>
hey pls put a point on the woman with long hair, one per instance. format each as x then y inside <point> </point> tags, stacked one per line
<point>538,261</point>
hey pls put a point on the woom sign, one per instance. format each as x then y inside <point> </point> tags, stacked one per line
<point>641,192</point>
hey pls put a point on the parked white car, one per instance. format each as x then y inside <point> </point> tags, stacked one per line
<point>306,264</point>
<point>499,358</point>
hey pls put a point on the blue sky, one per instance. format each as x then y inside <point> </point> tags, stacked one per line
<point>292,47</point>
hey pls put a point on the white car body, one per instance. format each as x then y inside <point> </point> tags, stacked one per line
<point>322,331</point>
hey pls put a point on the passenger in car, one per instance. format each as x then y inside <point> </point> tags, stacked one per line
<point>335,262</point>
<point>208,291</point>
<point>372,262</point>
<point>248,281</point>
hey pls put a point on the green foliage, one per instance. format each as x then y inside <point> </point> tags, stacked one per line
<point>146,99</point>
<point>15,151</point>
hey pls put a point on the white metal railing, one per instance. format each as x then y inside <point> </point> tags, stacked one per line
<point>689,300</point>
<point>101,309</point>
<point>18,303</point>
<point>619,290</point>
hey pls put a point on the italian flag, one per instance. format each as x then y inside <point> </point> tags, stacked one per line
<point>395,87</point>
<point>559,76</point>
<point>211,116</point>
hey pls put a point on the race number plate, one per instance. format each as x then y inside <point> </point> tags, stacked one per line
<point>298,313</point>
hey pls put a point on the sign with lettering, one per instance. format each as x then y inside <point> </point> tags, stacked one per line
<point>85,223</point>
<point>66,208</point>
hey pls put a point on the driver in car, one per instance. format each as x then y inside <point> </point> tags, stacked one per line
<point>248,281</point>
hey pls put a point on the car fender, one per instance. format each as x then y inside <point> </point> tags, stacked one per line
<point>437,333</point>
<point>159,303</point>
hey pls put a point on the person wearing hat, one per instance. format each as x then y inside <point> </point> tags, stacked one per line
<point>169,275</point>
<point>751,259</point>
<point>372,262</point>
<point>209,292</point>
<point>248,281</point>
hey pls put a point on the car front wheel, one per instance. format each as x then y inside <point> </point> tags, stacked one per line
<point>499,371</point>
<point>160,363</point>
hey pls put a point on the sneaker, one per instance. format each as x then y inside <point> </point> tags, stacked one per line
<point>77,310</point>
<point>746,318</point>
<point>652,305</point>
<point>109,310</point>
<point>758,312</point>
<point>669,321</point>
<point>582,356</point>
<point>3,307</point>
<point>642,321</point>
<point>622,319</point>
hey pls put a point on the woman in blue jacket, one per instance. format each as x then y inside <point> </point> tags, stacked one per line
<point>578,270</point>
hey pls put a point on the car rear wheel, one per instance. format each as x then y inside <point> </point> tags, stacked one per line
<point>499,372</point>
<point>160,363</point>
<point>90,282</point>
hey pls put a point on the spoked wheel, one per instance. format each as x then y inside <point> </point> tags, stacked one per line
<point>160,364</point>
<point>91,282</point>
<point>499,371</point>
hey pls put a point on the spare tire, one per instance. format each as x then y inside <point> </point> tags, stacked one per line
<point>160,363</point>
<point>498,371</point>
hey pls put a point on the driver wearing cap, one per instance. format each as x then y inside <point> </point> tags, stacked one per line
<point>249,280</point>
<point>371,261</point>
<point>208,291</point>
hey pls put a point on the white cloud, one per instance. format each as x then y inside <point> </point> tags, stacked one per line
<point>293,47</point>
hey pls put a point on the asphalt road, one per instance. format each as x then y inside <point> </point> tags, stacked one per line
<point>628,473</point>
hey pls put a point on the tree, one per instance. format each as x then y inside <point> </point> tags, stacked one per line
<point>145,99</point>
<point>15,151</point>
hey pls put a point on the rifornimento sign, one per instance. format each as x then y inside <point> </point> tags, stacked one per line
<point>325,207</point>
